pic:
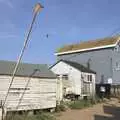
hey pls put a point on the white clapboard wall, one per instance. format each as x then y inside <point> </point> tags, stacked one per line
<point>39,94</point>
<point>74,84</point>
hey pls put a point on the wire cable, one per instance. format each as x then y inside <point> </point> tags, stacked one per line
<point>21,98</point>
<point>19,102</point>
<point>20,56</point>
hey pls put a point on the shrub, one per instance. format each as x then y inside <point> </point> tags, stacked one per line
<point>98,99</point>
<point>15,117</point>
<point>79,104</point>
<point>93,101</point>
<point>60,107</point>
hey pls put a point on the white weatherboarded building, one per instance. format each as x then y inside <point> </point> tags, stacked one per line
<point>73,78</point>
<point>34,87</point>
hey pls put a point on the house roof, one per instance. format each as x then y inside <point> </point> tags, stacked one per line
<point>89,45</point>
<point>26,69</point>
<point>76,65</point>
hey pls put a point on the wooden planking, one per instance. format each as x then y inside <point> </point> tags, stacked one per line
<point>33,106</point>
<point>41,92</point>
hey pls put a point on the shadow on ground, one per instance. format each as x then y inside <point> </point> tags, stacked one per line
<point>112,110</point>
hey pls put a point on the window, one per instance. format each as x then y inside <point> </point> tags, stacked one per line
<point>89,78</point>
<point>65,77</point>
<point>117,48</point>
<point>58,77</point>
<point>117,67</point>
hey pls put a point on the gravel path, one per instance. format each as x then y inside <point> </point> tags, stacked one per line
<point>107,111</point>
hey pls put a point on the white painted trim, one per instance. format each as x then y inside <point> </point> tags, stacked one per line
<point>82,50</point>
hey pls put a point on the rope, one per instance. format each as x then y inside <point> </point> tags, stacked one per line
<point>20,56</point>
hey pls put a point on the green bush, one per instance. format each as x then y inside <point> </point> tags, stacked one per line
<point>60,107</point>
<point>98,99</point>
<point>80,104</point>
<point>93,101</point>
<point>15,117</point>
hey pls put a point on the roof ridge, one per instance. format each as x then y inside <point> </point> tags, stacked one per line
<point>10,61</point>
<point>73,62</point>
<point>90,44</point>
<point>100,39</point>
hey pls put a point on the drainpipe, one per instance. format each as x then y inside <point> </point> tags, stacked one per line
<point>88,63</point>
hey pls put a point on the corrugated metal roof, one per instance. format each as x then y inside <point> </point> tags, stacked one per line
<point>26,69</point>
<point>89,44</point>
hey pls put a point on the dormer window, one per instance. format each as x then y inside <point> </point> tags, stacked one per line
<point>116,48</point>
<point>117,66</point>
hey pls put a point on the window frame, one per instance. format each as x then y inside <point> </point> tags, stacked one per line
<point>117,65</point>
<point>65,77</point>
<point>89,78</point>
<point>58,76</point>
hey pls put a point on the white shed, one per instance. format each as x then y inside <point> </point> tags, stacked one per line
<point>73,78</point>
<point>34,86</point>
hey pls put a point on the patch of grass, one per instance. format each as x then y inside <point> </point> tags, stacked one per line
<point>79,104</point>
<point>98,99</point>
<point>42,116</point>
<point>60,107</point>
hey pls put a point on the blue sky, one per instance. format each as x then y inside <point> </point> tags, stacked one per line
<point>65,21</point>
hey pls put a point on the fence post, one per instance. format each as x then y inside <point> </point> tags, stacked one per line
<point>1,110</point>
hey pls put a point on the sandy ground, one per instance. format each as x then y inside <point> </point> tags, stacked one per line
<point>107,111</point>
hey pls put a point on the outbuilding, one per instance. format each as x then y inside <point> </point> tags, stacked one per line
<point>73,78</point>
<point>33,88</point>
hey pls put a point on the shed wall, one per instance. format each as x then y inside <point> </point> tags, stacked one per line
<point>40,93</point>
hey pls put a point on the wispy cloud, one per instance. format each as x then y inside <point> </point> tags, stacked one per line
<point>8,30</point>
<point>8,3</point>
